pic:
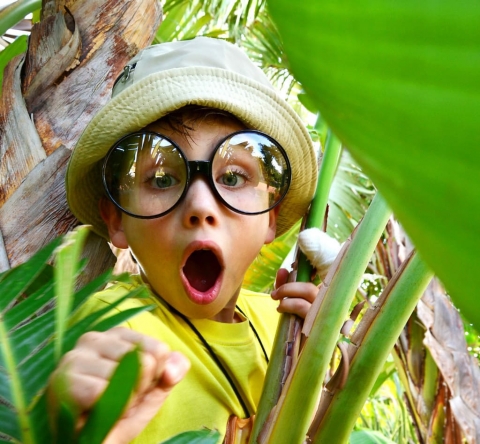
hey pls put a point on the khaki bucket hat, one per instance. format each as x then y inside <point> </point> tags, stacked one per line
<point>165,77</point>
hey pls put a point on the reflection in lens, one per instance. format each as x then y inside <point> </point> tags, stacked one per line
<point>145,174</point>
<point>262,170</point>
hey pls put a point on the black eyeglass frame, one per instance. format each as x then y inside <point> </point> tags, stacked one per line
<point>194,167</point>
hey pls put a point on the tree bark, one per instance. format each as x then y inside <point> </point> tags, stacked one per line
<point>50,94</point>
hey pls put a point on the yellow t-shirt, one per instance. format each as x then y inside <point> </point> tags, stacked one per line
<point>204,398</point>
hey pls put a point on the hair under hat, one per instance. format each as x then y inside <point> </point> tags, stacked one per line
<point>163,78</point>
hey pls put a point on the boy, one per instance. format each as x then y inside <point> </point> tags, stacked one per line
<point>202,163</point>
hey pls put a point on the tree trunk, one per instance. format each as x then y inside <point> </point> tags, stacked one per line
<point>49,95</point>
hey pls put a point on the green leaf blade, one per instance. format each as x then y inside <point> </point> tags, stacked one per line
<point>195,437</point>
<point>29,308</point>
<point>109,408</point>
<point>120,318</point>
<point>9,423</point>
<point>35,371</point>
<point>18,280</point>
<point>18,46</point>
<point>15,12</point>
<point>398,84</point>
<point>93,286</point>
<point>5,392</point>
<point>31,336</point>
<point>66,269</point>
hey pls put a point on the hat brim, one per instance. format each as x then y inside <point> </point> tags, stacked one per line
<point>146,101</point>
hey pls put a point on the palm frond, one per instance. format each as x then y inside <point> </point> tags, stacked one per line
<point>29,329</point>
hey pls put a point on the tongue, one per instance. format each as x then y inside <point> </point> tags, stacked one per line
<point>202,270</point>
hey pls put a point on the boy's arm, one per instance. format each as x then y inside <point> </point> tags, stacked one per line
<point>84,372</point>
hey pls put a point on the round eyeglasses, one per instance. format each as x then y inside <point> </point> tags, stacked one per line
<point>147,175</point>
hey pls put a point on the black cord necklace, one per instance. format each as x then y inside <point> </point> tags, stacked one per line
<point>215,358</point>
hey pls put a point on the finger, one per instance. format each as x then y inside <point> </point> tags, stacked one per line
<point>137,417</point>
<point>294,306</point>
<point>153,356</point>
<point>175,370</point>
<point>89,366</point>
<point>108,345</point>
<point>88,362</point>
<point>282,277</point>
<point>83,391</point>
<point>115,343</point>
<point>300,290</point>
<point>147,343</point>
<point>144,408</point>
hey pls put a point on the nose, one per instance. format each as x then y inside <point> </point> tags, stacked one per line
<point>200,205</point>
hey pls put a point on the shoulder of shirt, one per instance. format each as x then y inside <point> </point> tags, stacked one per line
<point>112,293</point>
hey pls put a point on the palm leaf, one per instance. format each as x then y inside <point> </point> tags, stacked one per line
<point>29,329</point>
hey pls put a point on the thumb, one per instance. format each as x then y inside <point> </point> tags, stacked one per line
<point>319,248</point>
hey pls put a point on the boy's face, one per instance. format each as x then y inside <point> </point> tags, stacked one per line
<point>195,257</point>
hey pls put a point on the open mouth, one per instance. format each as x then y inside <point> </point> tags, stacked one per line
<point>202,270</point>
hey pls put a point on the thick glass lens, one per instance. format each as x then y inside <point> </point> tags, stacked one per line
<point>145,174</point>
<point>251,172</point>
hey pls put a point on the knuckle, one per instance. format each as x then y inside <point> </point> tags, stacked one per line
<point>156,348</point>
<point>149,364</point>
<point>89,337</point>
<point>87,393</point>
<point>71,358</point>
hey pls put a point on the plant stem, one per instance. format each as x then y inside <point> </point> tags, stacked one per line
<point>429,387</point>
<point>14,13</point>
<point>276,369</point>
<point>306,379</point>
<point>384,323</point>
<point>316,215</point>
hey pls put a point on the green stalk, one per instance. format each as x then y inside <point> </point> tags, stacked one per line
<point>316,215</point>
<point>301,394</point>
<point>399,300</point>
<point>430,382</point>
<point>16,12</point>
<point>275,372</point>
<point>16,386</point>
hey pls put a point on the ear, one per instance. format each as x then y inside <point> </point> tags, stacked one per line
<point>112,217</point>
<point>272,224</point>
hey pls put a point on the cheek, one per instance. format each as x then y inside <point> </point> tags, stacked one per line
<point>251,237</point>
<point>148,240</point>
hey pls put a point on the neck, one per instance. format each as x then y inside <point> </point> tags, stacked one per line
<point>227,315</point>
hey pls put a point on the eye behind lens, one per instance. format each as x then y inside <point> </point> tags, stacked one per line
<point>264,167</point>
<point>145,174</point>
